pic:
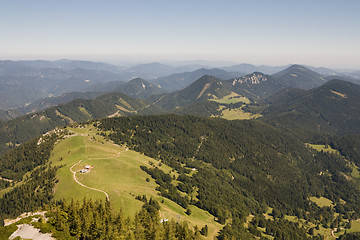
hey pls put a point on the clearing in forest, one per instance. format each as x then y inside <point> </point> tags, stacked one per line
<point>116,172</point>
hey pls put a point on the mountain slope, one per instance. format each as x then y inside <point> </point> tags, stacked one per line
<point>139,88</point>
<point>205,88</point>
<point>255,86</point>
<point>249,68</point>
<point>298,76</point>
<point>181,80</point>
<point>24,128</point>
<point>53,101</point>
<point>240,166</point>
<point>331,108</point>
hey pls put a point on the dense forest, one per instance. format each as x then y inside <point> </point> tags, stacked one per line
<point>232,169</point>
<point>97,220</point>
<point>252,166</point>
<point>19,130</point>
<point>29,175</point>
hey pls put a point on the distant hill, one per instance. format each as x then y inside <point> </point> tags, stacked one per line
<point>249,68</point>
<point>137,87</point>
<point>6,115</point>
<point>151,70</point>
<point>25,82</point>
<point>53,101</point>
<point>297,76</point>
<point>331,108</point>
<point>205,88</point>
<point>67,64</point>
<point>255,86</point>
<point>179,81</point>
<point>154,70</point>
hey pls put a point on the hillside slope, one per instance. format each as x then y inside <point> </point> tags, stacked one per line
<point>179,81</point>
<point>331,108</point>
<point>205,88</point>
<point>251,165</point>
<point>22,129</point>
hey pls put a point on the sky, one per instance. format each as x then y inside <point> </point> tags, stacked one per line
<point>272,32</point>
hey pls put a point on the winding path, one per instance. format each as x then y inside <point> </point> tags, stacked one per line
<point>4,179</point>
<point>95,189</point>
<point>332,233</point>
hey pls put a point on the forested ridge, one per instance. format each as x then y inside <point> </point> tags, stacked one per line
<point>97,220</point>
<point>243,167</point>
<point>17,131</point>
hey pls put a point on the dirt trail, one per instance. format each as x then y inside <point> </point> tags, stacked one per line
<point>4,179</point>
<point>95,189</point>
<point>332,233</point>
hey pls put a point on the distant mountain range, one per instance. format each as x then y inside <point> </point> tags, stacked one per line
<point>137,87</point>
<point>26,82</point>
<point>205,88</point>
<point>249,68</point>
<point>179,81</point>
<point>255,86</point>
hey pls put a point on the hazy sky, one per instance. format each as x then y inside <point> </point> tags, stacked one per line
<point>274,32</point>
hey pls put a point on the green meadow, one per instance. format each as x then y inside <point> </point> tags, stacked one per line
<point>322,201</point>
<point>324,148</point>
<point>231,98</point>
<point>116,170</point>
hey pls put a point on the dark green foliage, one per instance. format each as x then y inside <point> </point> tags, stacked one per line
<point>297,76</point>
<point>37,188</point>
<point>29,196</point>
<point>283,229</point>
<point>234,231</point>
<point>14,164</point>
<point>96,220</point>
<point>166,188</point>
<point>27,127</point>
<point>197,92</point>
<point>350,236</point>
<point>205,230</point>
<point>349,147</point>
<point>331,108</point>
<point>248,163</point>
<point>179,81</point>
<point>4,184</point>
<point>205,108</point>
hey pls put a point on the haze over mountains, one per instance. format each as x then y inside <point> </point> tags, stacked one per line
<point>24,82</point>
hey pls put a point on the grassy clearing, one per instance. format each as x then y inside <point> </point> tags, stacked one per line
<point>325,232</point>
<point>235,114</point>
<point>355,172</point>
<point>355,227</point>
<point>324,148</point>
<point>231,98</point>
<point>239,114</point>
<point>117,172</point>
<point>322,202</point>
